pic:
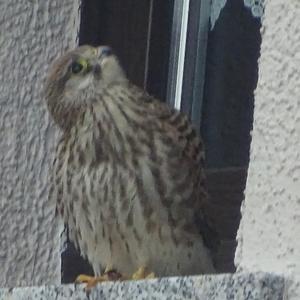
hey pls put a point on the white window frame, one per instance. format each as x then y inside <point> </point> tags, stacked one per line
<point>178,55</point>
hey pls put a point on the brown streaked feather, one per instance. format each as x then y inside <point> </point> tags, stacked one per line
<point>175,125</point>
<point>182,135</point>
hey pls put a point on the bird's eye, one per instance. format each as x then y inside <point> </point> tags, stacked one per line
<point>79,66</point>
<point>76,67</point>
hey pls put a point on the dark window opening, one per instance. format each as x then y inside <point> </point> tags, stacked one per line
<point>140,34</point>
<point>227,116</point>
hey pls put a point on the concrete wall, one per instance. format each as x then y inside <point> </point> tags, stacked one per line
<point>32,33</point>
<point>269,234</point>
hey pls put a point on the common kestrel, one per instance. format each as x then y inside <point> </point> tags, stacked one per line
<point>128,176</point>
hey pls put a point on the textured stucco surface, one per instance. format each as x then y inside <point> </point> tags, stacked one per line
<point>269,234</point>
<point>257,286</point>
<point>32,34</point>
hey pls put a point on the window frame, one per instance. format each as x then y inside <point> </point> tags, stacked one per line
<point>191,20</point>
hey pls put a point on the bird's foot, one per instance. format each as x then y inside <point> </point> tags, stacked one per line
<point>92,281</point>
<point>142,273</point>
<point>113,275</point>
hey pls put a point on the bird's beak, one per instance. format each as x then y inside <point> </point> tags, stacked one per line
<point>97,69</point>
<point>95,66</point>
<point>101,54</point>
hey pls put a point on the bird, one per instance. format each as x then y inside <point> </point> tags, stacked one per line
<point>128,175</point>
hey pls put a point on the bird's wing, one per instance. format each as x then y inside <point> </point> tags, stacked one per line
<point>176,126</point>
<point>179,129</point>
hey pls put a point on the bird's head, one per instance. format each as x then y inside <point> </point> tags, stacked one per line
<point>78,77</point>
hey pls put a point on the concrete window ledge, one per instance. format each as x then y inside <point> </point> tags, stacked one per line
<point>241,286</point>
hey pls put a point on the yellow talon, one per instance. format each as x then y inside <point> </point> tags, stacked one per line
<point>91,281</point>
<point>142,274</point>
<point>150,275</point>
<point>139,274</point>
<point>82,278</point>
<point>112,275</point>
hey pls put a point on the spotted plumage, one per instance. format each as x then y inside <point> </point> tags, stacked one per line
<point>128,175</point>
